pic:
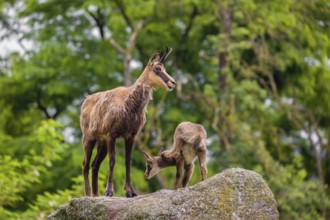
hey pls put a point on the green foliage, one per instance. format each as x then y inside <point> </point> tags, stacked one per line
<point>299,192</point>
<point>254,73</point>
<point>19,176</point>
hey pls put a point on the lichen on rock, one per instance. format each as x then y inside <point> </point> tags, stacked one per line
<point>232,194</point>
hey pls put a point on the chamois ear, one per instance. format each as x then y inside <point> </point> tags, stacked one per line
<point>146,155</point>
<point>154,58</point>
<point>161,151</point>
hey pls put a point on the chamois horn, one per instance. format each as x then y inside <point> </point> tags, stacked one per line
<point>165,55</point>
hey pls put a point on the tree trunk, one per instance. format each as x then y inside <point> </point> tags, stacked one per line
<point>127,70</point>
<point>225,16</point>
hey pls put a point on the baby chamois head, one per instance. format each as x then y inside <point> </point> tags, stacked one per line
<point>152,167</point>
<point>157,75</point>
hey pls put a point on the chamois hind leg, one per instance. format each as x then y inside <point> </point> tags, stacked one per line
<point>100,155</point>
<point>88,149</point>
<point>188,171</point>
<point>111,152</point>
<point>202,163</point>
<point>179,168</point>
<point>128,154</point>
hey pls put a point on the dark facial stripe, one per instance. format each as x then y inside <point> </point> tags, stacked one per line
<point>162,75</point>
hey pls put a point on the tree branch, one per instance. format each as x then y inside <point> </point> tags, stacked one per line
<point>123,12</point>
<point>128,53</point>
<point>42,107</point>
<point>132,39</point>
<point>316,129</point>
<point>317,155</point>
<point>99,19</point>
<point>130,24</point>
<point>114,43</point>
<point>193,14</point>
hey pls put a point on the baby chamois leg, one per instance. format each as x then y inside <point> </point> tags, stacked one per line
<point>100,155</point>
<point>88,149</point>
<point>128,154</point>
<point>179,168</point>
<point>111,152</point>
<point>188,171</point>
<point>202,163</point>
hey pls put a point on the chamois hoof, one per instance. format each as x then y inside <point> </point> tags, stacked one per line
<point>108,193</point>
<point>130,194</point>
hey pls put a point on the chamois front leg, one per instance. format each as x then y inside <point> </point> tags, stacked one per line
<point>179,168</point>
<point>128,153</point>
<point>88,149</point>
<point>100,155</point>
<point>111,151</point>
<point>202,163</point>
<point>188,171</point>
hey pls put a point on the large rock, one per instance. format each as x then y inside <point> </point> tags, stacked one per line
<point>233,194</point>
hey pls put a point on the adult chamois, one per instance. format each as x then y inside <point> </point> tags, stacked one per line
<point>120,112</point>
<point>189,144</point>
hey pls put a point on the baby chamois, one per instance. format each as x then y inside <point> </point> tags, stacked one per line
<point>120,112</point>
<point>189,143</point>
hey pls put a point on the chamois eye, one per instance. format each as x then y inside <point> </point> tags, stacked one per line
<point>158,69</point>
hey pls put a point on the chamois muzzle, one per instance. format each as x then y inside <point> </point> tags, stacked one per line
<point>170,84</point>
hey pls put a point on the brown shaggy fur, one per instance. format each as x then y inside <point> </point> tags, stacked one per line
<point>189,143</point>
<point>120,112</point>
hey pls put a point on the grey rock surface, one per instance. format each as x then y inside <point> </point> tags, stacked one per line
<point>232,194</point>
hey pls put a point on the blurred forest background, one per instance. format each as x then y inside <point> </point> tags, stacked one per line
<point>255,73</point>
